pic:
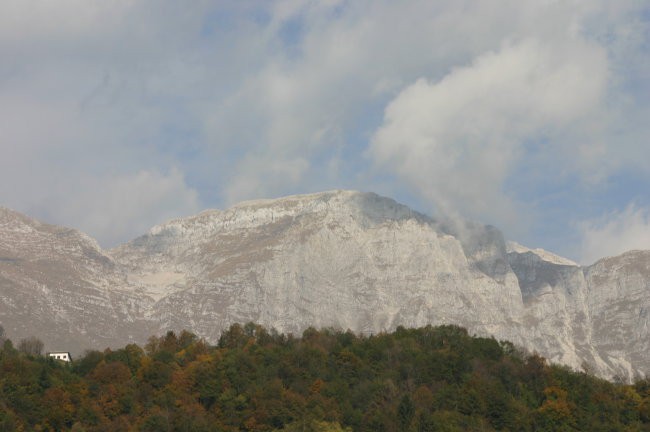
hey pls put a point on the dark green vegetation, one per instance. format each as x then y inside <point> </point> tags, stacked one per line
<point>428,379</point>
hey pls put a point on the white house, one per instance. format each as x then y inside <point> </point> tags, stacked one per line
<point>63,356</point>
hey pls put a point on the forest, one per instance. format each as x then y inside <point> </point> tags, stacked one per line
<point>254,379</point>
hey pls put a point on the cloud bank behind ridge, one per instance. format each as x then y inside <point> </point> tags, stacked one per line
<point>531,116</point>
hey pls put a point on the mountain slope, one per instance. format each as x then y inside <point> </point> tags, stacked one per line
<point>619,301</point>
<point>57,284</point>
<point>341,258</point>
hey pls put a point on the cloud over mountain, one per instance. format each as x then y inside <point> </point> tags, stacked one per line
<point>538,106</point>
<point>458,140</point>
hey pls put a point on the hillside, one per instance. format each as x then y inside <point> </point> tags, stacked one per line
<point>426,379</point>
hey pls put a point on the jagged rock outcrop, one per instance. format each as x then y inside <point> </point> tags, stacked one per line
<point>344,259</point>
<point>619,303</point>
<point>594,316</point>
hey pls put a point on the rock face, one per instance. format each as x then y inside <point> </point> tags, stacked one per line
<point>57,284</point>
<point>343,259</point>
<point>619,302</point>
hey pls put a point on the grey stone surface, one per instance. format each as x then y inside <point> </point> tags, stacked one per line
<point>340,259</point>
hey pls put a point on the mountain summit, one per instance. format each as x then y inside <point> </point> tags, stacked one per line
<point>344,259</point>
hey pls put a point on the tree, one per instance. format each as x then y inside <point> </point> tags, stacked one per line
<point>555,412</point>
<point>234,337</point>
<point>31,346</point>
<point>405,412</point>
<point>58,408</point>
<point>314,426</point>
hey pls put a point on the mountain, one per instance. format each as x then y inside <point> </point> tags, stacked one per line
<point>56,283</point>
<point>343,259</point>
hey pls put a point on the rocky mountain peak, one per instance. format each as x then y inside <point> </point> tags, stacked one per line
<point>541,254</point>
<point>241,226</point>
<point>635,261</point>
<point>345,259</point>
<point>27,238</point>
<point>364,207</point>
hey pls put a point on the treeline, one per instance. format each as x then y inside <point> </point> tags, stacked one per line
<point>427,379</point>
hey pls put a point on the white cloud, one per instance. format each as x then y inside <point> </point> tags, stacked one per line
<point>38,20</point>
<point>615,233</point>
<point>263,174</point>
<point>360,54</point>
<point>457,140</point>
<point>90,92</point>
<point>304,100</point>
<point>264,98</point>
<point>117,208</point>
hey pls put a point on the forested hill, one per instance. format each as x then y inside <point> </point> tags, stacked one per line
<point>427,379</point>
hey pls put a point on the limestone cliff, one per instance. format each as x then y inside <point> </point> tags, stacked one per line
<point>341,258</point>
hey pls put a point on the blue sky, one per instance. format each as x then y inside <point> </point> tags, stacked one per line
<point>528,115</point>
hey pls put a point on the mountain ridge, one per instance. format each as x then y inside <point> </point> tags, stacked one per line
<point>345,259</point>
